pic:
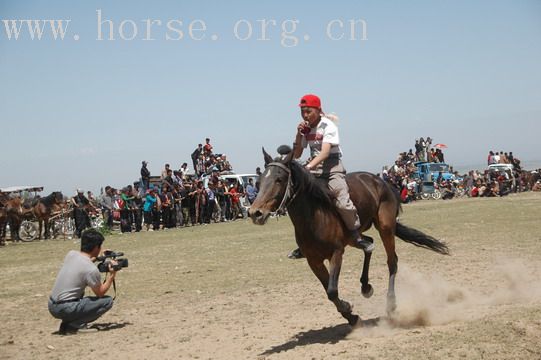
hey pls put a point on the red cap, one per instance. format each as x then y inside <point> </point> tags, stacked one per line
<point>310,101</point>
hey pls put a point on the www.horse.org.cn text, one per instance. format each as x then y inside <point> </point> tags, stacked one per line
<point>285,31</point>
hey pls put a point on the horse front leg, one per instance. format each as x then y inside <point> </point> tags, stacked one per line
<point>40,224</point>
<point>366,289</point>
<point>330,284</point>
<point>46,224</point>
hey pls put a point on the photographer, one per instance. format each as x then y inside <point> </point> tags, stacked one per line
<point>78,271</point>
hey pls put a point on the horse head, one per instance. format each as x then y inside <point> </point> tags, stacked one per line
<point>14,206</point>
<point>274,186</point>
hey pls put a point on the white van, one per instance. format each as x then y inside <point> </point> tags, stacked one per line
<point>242,179</point>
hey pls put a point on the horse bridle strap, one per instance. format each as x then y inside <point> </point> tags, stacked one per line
<point>288,197</point>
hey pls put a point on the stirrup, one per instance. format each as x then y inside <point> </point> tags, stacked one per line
<point>365,243</point>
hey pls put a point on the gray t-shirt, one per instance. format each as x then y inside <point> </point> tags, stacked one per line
<point>76,274</point>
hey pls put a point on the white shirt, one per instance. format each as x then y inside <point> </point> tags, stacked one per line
<point>326,131</point>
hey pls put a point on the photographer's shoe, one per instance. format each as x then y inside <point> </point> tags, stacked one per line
<point>85,329</point>
<point>66,329</point>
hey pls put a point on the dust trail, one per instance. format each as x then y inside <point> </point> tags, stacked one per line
<point>426,300</point>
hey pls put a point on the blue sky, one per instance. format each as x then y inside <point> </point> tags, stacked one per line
<point>85,113</point>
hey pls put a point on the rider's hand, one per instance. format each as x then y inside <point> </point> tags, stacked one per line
<point>303,127</point>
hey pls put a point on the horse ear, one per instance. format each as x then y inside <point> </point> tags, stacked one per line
<point>289,157</point>
<point>267,157</point>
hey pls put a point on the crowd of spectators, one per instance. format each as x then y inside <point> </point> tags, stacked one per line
<point>189,197</point>
<point>177,198</point>
<point>405,177</point>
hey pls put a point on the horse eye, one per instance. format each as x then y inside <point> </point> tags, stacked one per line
<point>279,181</point>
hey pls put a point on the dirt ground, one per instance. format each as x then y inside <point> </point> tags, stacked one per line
<point>228,291</point>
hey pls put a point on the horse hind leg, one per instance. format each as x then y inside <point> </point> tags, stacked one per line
<point>387,235</point>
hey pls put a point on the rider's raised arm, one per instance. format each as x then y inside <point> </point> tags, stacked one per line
<point>297,145</point>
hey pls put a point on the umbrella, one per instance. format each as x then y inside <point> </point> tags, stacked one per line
<point>440,146</point>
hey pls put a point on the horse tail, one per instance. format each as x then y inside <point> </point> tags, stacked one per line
<point>420,239</point>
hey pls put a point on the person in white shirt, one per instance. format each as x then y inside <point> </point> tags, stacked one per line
<point>320,133</point>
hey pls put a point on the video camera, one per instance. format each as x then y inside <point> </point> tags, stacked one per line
<point>106,260</point>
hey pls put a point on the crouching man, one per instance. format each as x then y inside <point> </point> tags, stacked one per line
<point>67,301</point>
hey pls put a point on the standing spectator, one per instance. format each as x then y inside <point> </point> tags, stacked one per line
<point>429,150</point>
<point>125,211</point>
<point>418,150</point>
<point>422,153</point>
<point>177,178</point>
<point>168,179</point>
<point>187,204</point>
<point>200,165</point>
<point>137,207</point>
<point>236,193</point>
<point>91,197</point>
<point>439,155</point>
<point>490,158</point>
<point>211,203</point>
<point>195,157</point>
<point>145,175</point>
<point>82,221</point>
<point>258,171</point>
<point>226,165</point>
<point>207,149</point>
<point>200,203</point>
<point>148,207</point>
<point>107,204</point>
<point>433,157</point>
<point>165,206</point>
<point>503,158</point>
<point>165,172</point>
<point>185,170</point>
<point>177,208</point>
<point>251,191</point>
<point>219,193</point>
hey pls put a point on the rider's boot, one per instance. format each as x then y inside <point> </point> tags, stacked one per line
<point>363,242</point>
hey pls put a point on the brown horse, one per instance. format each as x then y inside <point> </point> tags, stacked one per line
<point>11,212</point>
<point>44,208</point>
<point>319,230</point>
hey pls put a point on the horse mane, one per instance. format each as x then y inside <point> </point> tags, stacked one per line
<point>303,180</point>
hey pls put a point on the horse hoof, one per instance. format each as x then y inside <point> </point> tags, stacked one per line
<point>367,291</point>
<point>353,320</point>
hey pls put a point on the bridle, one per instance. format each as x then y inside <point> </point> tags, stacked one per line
<point>289,194</point>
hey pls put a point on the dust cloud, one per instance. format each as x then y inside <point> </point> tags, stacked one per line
<point>430,300</point>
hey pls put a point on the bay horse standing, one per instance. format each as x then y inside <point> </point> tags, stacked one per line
<point>11,212</point>
<point>319,230</point>
<point>44,208</point>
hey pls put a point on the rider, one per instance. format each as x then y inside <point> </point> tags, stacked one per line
<point>320,133</point>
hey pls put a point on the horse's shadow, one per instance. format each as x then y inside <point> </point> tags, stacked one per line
<point>326,335</point>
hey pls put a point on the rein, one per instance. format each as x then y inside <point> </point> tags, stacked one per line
<point>289,195</point>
